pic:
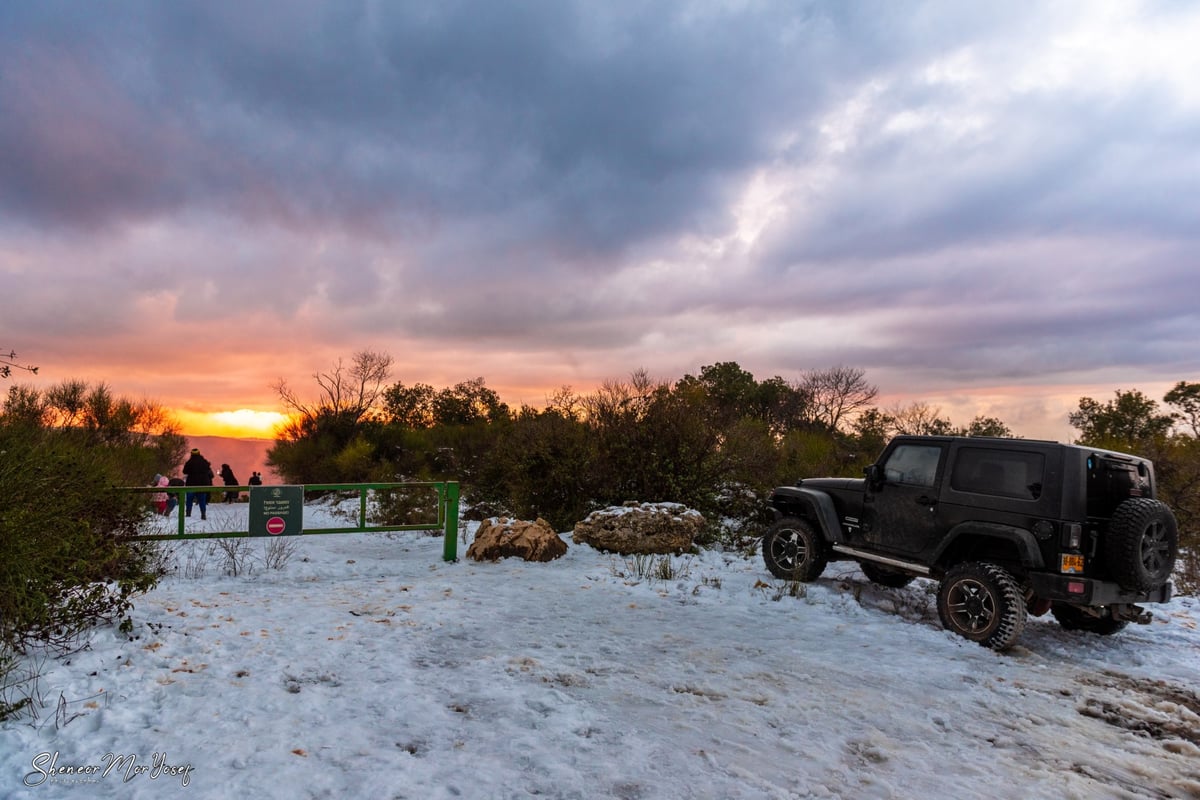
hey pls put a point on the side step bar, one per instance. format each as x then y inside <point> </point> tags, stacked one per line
<point>907,566</point>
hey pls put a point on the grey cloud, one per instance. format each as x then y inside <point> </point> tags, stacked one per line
<point>624,120</point>
<point>491,173</point>
<point>1044,165</point>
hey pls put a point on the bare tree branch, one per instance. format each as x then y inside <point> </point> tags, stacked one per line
<point>351,391</point>
<point>8,364</point>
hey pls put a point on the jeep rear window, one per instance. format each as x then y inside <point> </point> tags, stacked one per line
<point>913,464</point>
<point>998,472</point>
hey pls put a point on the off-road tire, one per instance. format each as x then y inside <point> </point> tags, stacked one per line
<point>1141,543</point>
<point>793,551</point>
<point>1072,618</point>
<point>884,576</point>
<point>982,602</point>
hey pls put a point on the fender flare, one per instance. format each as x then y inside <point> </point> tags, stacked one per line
<point>1023,540</point>
<point>819,505</point>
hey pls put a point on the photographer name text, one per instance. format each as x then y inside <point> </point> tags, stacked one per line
<point>46,767</point>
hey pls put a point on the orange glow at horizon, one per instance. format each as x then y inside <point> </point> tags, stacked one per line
<point>240,424</point>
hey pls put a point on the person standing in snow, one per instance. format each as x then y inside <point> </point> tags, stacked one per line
<point>227,477</point>
<point>197,472</point>
<point>159,499</point>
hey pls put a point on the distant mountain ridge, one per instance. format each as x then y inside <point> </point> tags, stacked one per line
<point>243,456</point>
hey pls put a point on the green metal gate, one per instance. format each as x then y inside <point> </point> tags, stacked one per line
<point>446,493</point>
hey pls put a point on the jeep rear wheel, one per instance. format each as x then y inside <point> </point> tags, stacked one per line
<point>884,576</point>
<point>793,551</point>
<point>1074,618</point>
<point>982,602</point>
<point>1141,543</point>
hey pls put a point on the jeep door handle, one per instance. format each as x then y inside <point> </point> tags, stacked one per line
<point>926,501</point>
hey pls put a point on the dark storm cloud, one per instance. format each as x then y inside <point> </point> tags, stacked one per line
<point>622,121</point>
<point>596,125</point>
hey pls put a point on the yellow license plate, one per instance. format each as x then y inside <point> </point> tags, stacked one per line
<point>1071,564</point>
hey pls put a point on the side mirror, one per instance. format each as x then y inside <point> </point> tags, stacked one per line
<point>874,476</point>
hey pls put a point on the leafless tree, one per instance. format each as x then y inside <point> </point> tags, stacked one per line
<point>919,419</point>
<point>837,394</point>
<point>566,403</point>
<point>620,399</point>
<point>349,391</point>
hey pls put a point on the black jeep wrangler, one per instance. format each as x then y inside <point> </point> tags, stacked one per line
<point>1008,526</point>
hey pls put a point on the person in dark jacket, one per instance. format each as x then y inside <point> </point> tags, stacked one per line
<point>197,472</point>
<point>228,478</point>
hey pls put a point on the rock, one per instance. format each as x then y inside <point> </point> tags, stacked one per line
<point>641,528</point>
<point>501,538</point>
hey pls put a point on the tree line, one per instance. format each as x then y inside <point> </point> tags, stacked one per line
<point>717,441</point>
<point>714,441</point>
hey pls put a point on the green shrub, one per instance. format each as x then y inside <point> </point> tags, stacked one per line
<point>65,531</point>
<point>408,506</point>
<point>540,467</point>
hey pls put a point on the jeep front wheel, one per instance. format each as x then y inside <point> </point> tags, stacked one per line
<point>1141,543</point>
<point>793,551</point>
<point>982,602</point>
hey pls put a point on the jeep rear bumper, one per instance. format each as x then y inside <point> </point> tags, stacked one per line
<point>1082,591</point>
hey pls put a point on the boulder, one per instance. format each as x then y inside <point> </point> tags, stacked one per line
<point>501,538</point>
<point>640,528</point>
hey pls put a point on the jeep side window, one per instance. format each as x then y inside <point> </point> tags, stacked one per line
<point>913,464</point>
<point>999,473</point>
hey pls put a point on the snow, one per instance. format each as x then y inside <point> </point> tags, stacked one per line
<point>677,510</point>
<point>368,667</point>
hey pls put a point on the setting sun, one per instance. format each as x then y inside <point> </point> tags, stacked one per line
<point>242,423</point>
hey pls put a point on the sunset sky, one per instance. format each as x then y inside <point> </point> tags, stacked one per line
<point>993,208</point>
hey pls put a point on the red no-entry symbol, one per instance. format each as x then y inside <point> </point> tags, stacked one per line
<point>275,526</point>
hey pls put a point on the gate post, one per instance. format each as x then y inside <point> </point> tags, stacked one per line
<point>450,542</point>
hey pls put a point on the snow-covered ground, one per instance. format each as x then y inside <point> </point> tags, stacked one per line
<point>368,667</point>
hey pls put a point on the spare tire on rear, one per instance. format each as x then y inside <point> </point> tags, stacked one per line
<point>1141,543</point>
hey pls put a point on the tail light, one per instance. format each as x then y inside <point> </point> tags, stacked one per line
<point>1072,535</point>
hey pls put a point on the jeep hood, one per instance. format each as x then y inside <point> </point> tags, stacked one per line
<point>845,484</point>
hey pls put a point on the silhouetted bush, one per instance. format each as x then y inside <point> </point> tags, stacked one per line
<point>541,467</point>
<point>66,533</point>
